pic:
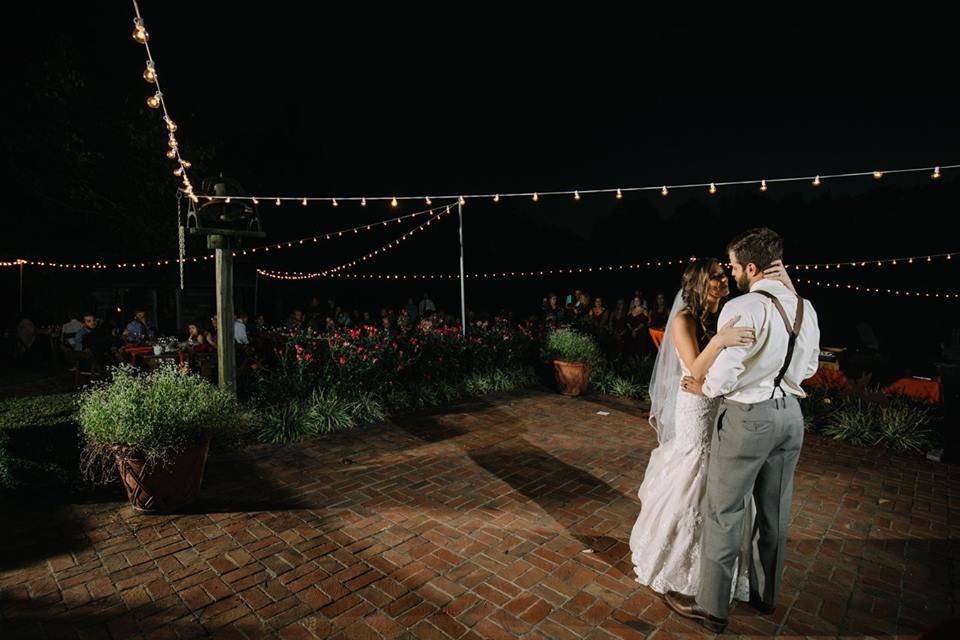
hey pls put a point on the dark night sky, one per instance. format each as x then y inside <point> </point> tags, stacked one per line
<point>384,103</point>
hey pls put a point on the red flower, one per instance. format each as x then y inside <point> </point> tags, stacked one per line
<point>343,360</point>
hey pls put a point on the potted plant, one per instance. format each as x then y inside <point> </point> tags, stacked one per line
<point>155,429</point>
<point>574,355</point>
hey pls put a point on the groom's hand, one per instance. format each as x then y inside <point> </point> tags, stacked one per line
<point>692,385</point>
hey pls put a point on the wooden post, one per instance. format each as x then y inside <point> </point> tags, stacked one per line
<point>226,351</point>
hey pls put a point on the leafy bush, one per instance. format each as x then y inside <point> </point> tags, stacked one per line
<point>610,383</point>
<point>324,411</point>
<point>572,346</point>
<point>153,415</point>
<point>897,424</point>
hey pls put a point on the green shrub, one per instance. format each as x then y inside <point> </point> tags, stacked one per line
<point>572,346</point>
<point>153,415</point>
<point>897,424</point>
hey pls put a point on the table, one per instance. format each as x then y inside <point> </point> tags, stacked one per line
<point>135,351</point>
<point>923,389</point>
<point>657,336</point>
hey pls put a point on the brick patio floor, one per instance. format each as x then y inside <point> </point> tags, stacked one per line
<point>502,517</point>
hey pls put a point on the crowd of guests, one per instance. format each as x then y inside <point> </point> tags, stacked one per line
<point>626,325</point>
<point>324,318</point>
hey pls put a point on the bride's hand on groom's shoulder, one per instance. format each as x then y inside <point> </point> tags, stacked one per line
<point>691,385</point>
<point>777,271</point>
<point>731,336</point>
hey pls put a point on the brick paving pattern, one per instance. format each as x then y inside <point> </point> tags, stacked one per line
<point>503,517</point>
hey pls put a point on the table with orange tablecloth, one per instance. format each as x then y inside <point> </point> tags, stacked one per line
<point>923,389</point>
<point>136,350</point>
<point>657,336</point>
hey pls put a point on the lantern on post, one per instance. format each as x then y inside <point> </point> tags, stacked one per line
<point>225,220</point>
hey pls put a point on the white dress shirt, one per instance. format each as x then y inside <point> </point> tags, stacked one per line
<point>747,374</point>
<point>240,332</point>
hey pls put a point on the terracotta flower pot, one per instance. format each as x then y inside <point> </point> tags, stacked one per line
<point>163,487</point>
<point>572,377</point>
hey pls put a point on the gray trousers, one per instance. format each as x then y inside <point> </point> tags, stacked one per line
<point>755,450</point>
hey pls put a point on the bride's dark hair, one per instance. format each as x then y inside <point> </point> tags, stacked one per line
<point>696,283</point>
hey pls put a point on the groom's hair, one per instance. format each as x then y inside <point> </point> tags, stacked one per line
<point>760,246</point>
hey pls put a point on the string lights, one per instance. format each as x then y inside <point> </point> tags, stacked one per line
<point>293,275</point>
<point>299,275</point>
<point>879,290</point>
<point>712,187</point>
<point>157,101</point>
<point>370,226</point>
<point>876,262</point>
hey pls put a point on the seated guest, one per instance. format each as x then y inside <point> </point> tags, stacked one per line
<point>639,341</point>
<point>554,312</point>
<point>240,328</point>
<point>618,322</point>
<point>88,326</point>
<point>660,313</point>
<point>138,331</point>
<point>196,340</point>
<point>95,339</point>
<point>295,321</point>
<point>599,316</point>
<point>69,330</point>
<point>638,301</point>
<point>211,335</point>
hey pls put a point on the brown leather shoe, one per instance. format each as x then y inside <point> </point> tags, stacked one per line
<point>687,607</point>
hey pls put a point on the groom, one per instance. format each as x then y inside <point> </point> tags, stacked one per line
<point>759,432</point>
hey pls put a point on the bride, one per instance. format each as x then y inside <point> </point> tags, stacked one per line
<point>665,542</point>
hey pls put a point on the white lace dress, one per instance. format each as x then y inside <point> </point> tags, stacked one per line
<point>665,541</point>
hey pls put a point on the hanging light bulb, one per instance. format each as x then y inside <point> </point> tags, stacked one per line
<point>576,195</point>
<point>171,125</point>
<point>335,203</point>
<point>536,197</point>
<point>154,101</point>
<point>171,153</point>
<point>763,185</point>
<point>496,198</point>
<point>713,188</point>
<point>304,202</point>
<point>460,202</point>
<point>394,202</point>
<point>178,171</point>
<point>429,201</point>
<point>172,142</point>
<point>150,73</point>
<point>878,174</point>
<point>619,195</point>
<point>936,173</point>
<point>277,202</point>
<point>255,201</point>
<point>186,164</point>
<point>139,31</point>
<point>816,181</point>
<point>663,191</point>
<point>363,202</point>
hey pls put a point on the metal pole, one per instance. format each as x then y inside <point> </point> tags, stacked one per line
<point>226,351</point>
<point>463,294</point>
<point>21,287</point>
